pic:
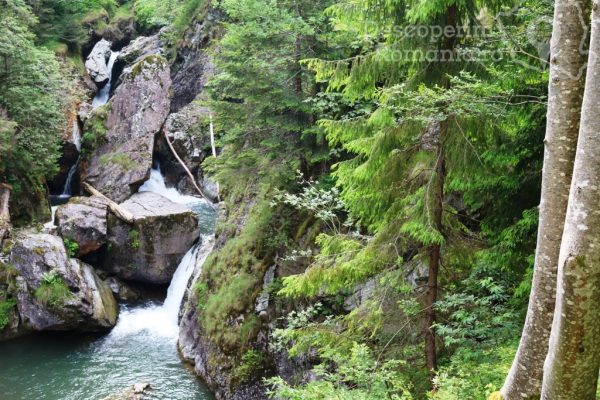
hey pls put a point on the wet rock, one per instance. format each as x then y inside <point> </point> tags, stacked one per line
<point>124,129</point>
<point>83,220</point>
<point>55,292</point>
<point>122,291</point>
<point>150,249</point>
<point>96,62</point>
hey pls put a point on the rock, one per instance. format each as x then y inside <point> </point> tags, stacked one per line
<point>136,392</point>
<point>83,220</point>
<point>141,47</point>
<point>151,248</point>
<point>262,301</point>
<point>121,291</point>
<point>193,67</point>
<point>124,129</point>
<point>96,62</point>
<point>84,111</point>
<point>188,131</point>
<point>55,292</point>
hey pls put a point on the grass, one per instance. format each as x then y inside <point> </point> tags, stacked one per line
<point>53,291</point>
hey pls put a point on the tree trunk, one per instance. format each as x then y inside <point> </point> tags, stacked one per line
<point>4,212</point>
<point>571,368</point>
<point>435,251</point>
<point>565,91</point>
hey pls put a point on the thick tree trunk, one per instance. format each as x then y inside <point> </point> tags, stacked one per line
<point>4,212</point>
<point>567,73</point>
<point>571,368</point>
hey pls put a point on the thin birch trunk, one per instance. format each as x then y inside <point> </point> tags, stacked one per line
<point>565,91</point>
<point>571,368</point>
<point>4,212</point>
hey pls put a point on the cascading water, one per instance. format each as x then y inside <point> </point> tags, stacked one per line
<point>103,94</point>
<point>141,348</point>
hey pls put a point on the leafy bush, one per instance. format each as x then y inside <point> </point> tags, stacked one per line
<point>5,308</point>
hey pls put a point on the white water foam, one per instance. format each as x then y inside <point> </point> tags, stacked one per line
<point>156,184</point>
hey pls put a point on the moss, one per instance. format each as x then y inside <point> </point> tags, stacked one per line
<point>250,363</point>
<point>134,238</point>
<point>150,61</point>
<point>121,159</point>
<point>39,250</point>
<point>94,134</point>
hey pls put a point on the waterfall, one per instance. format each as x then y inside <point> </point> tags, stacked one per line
<point>67,190</point>
<point>103,94</point>
<point>162,320</point>
<point>156,184</point>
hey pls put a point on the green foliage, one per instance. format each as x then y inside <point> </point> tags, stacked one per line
<point>134,239</point>
<point>6,307</point>
<point>71,246</point>
<point>53,291</point>
<point>32,97</point>
<point>474,373</point>
<point>354,375</point>
<point>251,361</point>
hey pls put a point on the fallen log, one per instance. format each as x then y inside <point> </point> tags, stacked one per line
<point>186,168</point>
<point>119,211</point>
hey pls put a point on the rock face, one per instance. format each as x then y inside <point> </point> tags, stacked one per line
<point>83,220</point>
<point>193,66</point>
<point>122,154</point>
<point>188,131</point>
<point>141,47</point>
<point>151,248</point>
<point>55,292</point>
<point>96,62</point>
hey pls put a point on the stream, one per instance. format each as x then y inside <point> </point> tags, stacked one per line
<point>141,348</point>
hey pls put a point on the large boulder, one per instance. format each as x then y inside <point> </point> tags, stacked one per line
<point>55,292</point>
<point>96,62</point>
<point>83,221</point>
<point>120,135</point>
<point>150,249</point>
<point>141,47</point>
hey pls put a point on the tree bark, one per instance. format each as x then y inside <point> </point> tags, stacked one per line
<point>114,207</point>
<point>565,92</point>
<point>4,211</point>
<point>573,361</point>
<point>435,251</point>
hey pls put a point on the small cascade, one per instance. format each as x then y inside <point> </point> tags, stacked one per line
<point>104,93</point>
<point>156,184</point>
<point>68,188</point>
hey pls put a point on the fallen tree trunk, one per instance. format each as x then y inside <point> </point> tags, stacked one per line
<point>114,207</point>
<point>185,168</point>
<point>4,213</point>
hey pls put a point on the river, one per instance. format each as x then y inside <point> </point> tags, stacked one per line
<point>141,348</point>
